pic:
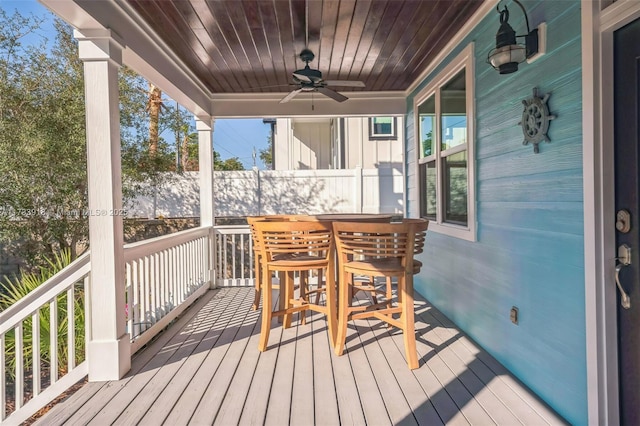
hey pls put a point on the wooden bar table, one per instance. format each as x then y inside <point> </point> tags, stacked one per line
<point>343,217</point>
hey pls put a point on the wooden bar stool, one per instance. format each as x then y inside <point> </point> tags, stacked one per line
<point>290,247</point>
<point>378,250</point>
<point>256,250</point>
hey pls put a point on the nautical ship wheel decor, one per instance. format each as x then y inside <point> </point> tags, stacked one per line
<point>535,120</point>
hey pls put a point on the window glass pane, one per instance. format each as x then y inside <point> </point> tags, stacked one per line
<point>427,114</point>
<point>455,188</point>
<point>382,126</point>
<point>454,114</point>
<point>428,187</point>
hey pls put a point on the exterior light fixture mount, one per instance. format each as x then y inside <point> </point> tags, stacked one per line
<point>508,53</point>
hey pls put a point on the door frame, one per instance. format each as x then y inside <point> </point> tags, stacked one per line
<point>600,19</point>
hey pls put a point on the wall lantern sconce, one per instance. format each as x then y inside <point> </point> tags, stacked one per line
<point>508,54</point>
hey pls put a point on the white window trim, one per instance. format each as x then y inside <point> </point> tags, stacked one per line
<point>465,59</point>
<point>383,136</point>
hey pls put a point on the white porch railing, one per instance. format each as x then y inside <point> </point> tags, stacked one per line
<point>41,355</point>
<point>234,256</point>
<point>164,276</point>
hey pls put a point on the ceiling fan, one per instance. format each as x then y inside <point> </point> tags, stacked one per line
<point>310,80</point>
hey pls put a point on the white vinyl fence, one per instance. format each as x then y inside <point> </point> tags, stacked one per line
<point>256,192</point>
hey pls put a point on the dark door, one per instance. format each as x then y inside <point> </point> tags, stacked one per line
<point>627,114</point>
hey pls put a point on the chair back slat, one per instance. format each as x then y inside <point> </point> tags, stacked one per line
<point>281,238</point>
<point>420,229</point>
<point>374,241</point>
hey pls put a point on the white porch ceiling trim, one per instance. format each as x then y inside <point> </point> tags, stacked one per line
<point>144,52</point>
<point>238,105</point>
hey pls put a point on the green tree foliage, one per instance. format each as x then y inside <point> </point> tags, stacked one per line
<point>42,144</point>
<point>266,154</point>
<point>145,161</point>
<point>43,195</point>
<point>229,164</point>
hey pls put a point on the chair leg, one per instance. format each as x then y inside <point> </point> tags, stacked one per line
<point>287,295</point>
<point>344,293</point>
<point>281,285</point>
<point>257,273</point>
<point>267,305</point>
<point>408,321</point>
<point>317,302</point>
<point>304,283</point>
<point>372,283</point>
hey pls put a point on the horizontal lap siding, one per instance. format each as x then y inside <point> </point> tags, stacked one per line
<point>530,248</point>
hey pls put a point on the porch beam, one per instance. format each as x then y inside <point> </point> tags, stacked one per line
<point>108,351</point>
<point>244,105</point>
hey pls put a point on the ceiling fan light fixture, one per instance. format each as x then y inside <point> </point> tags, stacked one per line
<point>310,80</point>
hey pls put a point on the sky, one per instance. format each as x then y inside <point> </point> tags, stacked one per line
<point>231,137</point>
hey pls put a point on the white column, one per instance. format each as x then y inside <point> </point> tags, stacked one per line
<point>108,351</point>
<point>205,161</point>
<point>205,164</point>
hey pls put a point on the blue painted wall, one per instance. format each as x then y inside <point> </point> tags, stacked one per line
<point>530,251</point>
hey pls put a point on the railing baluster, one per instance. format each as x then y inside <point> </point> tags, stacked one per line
<point>174,276</point>
<point>198,261</point>
<point>87,313</point>
<point>242,250</point>
<point>233,257</point>
<point>160,284</point>
<point>167,278</point>
<point>19,352</point>
<point>181,268</point>
<point>153,283</point>
<point>225,273</point>
<point>53,340</point>
<point>71,329</point>
<point>192,267</point>
<point>35,345</point>
<point>130,306</point>
<point>201,277</point>
<point>147,290</point>
<point>219,251</point>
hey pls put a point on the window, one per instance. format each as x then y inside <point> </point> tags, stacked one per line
<point>382,128</point>
<point>444,123</point>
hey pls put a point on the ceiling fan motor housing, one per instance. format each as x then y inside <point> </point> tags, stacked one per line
<point>314,75</point>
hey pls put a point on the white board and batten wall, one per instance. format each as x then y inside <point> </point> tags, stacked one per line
<point>334,143</point>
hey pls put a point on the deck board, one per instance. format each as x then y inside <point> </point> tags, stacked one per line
<point>201,344</point>
<point>206,369</point>
<point>421,407</point>
<point>302,401</point>
<point>326,404</point>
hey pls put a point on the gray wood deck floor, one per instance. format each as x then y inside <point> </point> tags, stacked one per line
<point>206,369</point>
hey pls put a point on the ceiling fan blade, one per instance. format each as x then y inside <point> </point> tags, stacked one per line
<point>302,77</point>
<point>332,94</point>
<point>344,83</point>
<point>290,96</point>
<point>272,86</point>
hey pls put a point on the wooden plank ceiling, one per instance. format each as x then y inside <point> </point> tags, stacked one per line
<point>253,45</point>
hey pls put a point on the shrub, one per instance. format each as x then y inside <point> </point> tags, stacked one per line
<point>12,291</point>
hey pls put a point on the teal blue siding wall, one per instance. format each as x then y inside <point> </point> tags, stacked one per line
<point>529,251</point>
